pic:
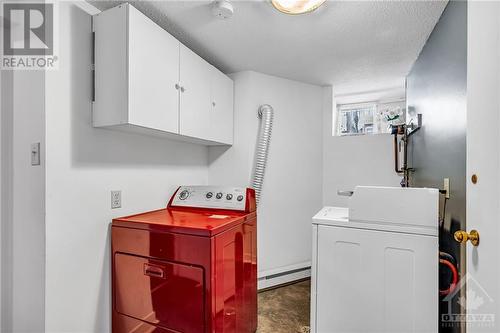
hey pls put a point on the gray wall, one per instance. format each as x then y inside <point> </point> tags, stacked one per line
<point>437,87</point>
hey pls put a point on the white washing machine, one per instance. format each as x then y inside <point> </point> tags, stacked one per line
<point>375,263</point>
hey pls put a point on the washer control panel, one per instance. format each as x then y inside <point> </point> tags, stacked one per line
<point>216,197</point>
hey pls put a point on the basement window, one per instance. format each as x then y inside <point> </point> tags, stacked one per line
<point>356,119</point>
<point>369,118</point>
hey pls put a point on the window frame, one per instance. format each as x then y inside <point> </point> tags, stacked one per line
<point>352,107</point>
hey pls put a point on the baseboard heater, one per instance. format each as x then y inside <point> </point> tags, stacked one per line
<point>274,280</point>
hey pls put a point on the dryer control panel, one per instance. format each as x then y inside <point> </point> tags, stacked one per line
<point>213,197</point>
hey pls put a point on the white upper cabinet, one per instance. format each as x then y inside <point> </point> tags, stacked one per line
<point>153,71</point>
<point>146,81</point>
<point>195,95</point>
<point>221,113</point>
<point>136,69</point>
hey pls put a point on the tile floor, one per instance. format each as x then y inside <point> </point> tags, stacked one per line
<point>285,309</point>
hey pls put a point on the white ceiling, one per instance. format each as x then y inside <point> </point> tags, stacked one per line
<point>356,46</point>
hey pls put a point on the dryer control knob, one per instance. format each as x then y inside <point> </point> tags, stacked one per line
<point>218,195</point>
<point>239,198</point>
<point>229,196</point>
<point>184,195</point>
<point>209,195</point>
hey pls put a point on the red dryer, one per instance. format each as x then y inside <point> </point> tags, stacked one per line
<point>191,267</point>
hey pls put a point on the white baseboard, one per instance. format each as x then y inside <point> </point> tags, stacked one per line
<point>272,280</point>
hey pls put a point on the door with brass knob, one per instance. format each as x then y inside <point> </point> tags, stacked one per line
<point>482,277</point>
<point>463,236</point>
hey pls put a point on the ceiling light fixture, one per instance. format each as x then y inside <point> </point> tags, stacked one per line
<point>222,9</point>
<point>296,7</point>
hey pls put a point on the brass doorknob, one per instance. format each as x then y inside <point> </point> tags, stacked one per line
<point>462,237</point>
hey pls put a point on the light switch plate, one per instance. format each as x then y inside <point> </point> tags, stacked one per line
<point>35,153</point>
<point>116,199</point>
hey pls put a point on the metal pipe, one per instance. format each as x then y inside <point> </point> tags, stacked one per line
<point>396,154</point>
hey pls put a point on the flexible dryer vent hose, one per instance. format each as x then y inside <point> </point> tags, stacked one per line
<point>262,149</point>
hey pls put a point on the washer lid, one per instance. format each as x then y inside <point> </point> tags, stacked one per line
<point>406,210</point>
<point>332,215</point>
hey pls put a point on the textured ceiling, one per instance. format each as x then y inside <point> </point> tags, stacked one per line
<point>354,46</point>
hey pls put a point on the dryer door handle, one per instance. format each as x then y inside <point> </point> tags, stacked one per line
<point>154,271</point>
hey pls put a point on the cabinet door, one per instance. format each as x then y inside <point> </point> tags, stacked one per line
<point>221,115</point>
<point>153,66</point>
<point>195,95</point>
<point>388,279</point>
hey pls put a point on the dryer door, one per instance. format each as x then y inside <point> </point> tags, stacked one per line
<point>159,292</point>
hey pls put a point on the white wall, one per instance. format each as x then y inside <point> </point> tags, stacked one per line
<point>387,94</point>
<point>23,223</point>
<point>353,160</point>
<point>83,165</point>
<point>28,223</point>
<point>5,197</point>
<point>292,187</point>
<point>2,182</point>
<point>2,195</point>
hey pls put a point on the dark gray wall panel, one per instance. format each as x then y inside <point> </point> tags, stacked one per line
<point>436,88</point>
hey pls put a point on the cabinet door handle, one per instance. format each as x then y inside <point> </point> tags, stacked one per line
<point>183,89</point>
<point>345,193</point>
<point>177,86</point>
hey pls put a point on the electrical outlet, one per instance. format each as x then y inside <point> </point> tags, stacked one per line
<point>446,187</point>
<point>116,199</point>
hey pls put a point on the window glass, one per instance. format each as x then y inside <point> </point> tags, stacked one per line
<point>356,119</point>
<point>369,118</point>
